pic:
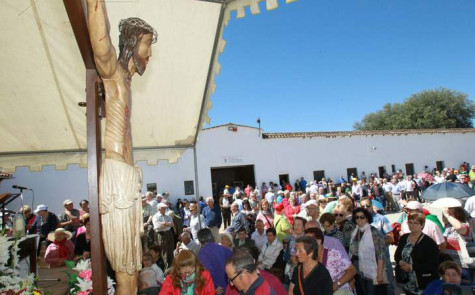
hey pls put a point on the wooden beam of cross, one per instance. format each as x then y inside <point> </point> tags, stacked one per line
<point>77,17</point>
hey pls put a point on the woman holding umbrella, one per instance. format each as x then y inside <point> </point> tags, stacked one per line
<point>457,233</point>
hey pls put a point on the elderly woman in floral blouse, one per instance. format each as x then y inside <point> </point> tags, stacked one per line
<point>339,266</point>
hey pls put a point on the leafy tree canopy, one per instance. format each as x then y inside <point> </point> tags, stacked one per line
<point>438,108</point>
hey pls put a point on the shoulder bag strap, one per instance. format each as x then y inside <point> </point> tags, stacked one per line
<point>325,257</point>
<point>268,222</point>
<point>278,222</point>
<point>418,239</point>
<point>300,279</point>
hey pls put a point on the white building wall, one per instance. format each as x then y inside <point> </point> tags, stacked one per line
<point>299,157</point>
<point>219,147</point>
<point>53,186</point>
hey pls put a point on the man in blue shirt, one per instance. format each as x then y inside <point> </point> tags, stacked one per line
<point>212,215</point>
<point>303,184</point>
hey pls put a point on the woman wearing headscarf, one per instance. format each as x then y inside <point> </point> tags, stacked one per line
<point>367,255</point>
<point>188,276</point>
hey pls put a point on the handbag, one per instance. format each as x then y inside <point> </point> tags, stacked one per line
<point>402,277</point>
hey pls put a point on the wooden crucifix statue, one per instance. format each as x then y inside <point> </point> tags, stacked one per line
<point>120,182</point>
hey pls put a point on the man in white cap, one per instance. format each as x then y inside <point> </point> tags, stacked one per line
<point>45,223</point>
<point>311,211</point>
<point>430,228</point>
<point>163,226</point>
<point>69,220</point>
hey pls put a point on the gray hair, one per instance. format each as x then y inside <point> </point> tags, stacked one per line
<point>209,199</point>
<point>242,260</point>
<point>186,234</point>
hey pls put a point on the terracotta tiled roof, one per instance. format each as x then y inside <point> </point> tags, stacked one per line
<point>331,134</point>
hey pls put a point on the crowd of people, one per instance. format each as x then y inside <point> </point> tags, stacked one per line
<point>318,237</point>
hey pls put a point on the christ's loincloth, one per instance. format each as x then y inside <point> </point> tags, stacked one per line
<point>121,211</point>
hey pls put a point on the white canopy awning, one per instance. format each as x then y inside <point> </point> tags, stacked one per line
<point>43,78</point>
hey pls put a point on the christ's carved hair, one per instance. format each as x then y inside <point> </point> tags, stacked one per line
<point>131,31</point>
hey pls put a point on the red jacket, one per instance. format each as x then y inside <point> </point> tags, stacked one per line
<point>208,289</point>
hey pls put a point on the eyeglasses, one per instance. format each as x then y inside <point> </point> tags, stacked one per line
<point>231,281</point>
<point>360,217</point>
<point>338,214</point>
<point>187,273</point>
<point>366,206</point>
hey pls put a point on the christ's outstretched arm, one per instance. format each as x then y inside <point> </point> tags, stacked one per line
<point>99,30</point>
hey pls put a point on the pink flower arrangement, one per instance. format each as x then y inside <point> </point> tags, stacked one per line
<point>86,274</point>
<point>81,282</point>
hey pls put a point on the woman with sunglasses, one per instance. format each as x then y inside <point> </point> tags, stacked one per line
<point>188,276</point>
<point>310,276</point>
<point>367,255</point>
<point>417,257</point>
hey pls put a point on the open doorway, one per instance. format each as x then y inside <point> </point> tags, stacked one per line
<point>351,173</point>
<point>234,176</point>
<point>409,168</point>
<point>381,171</point>
<point>283,179</point>
<point>318,175</point>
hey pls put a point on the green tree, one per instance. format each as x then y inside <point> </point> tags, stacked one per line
<point>438,108</point>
